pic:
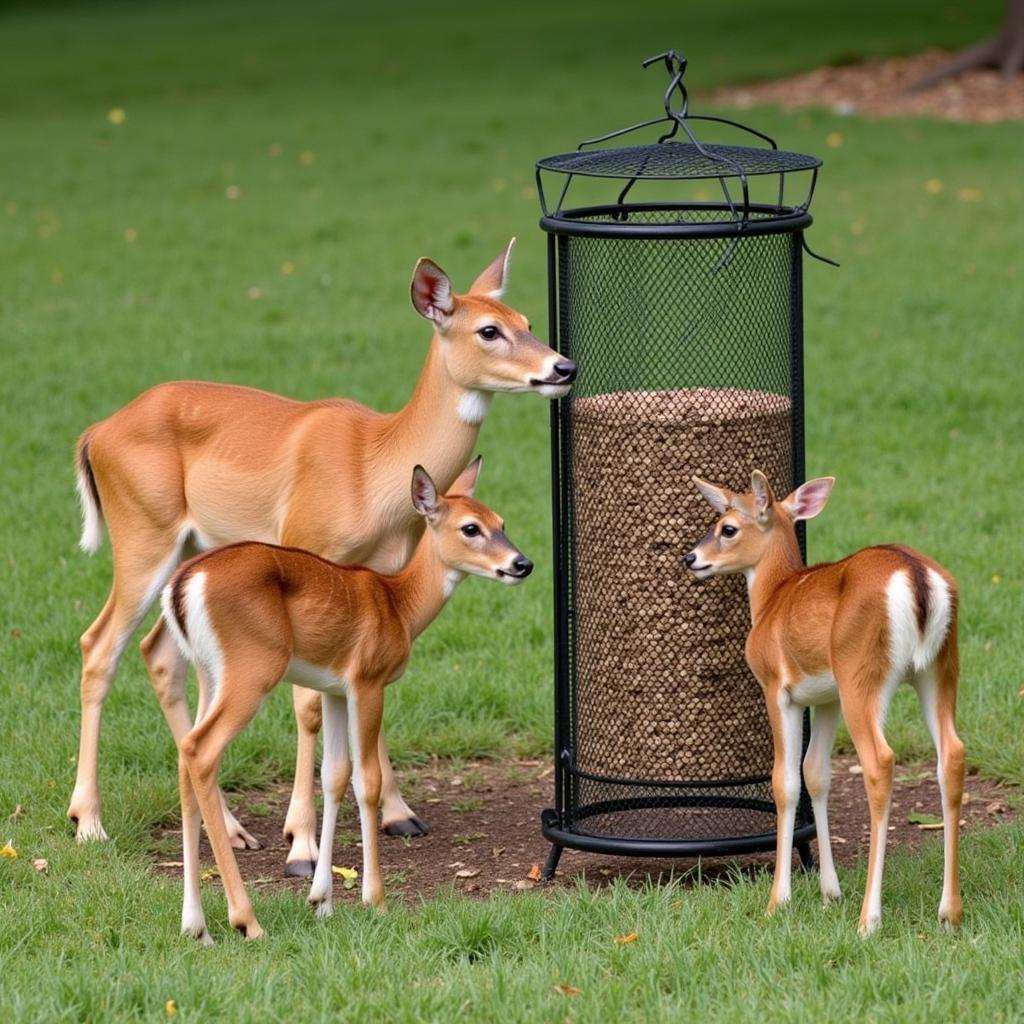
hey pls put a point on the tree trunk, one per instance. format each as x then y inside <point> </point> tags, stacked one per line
<point>1004,50</point>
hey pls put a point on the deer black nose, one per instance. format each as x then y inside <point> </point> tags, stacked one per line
<point>522,565</point>
<point>566,369</point>
<point>690,559</point>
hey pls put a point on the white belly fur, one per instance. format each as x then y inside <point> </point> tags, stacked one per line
<point>316,677</point>
<point>813,690</point>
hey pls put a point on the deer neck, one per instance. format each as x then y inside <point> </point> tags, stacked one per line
<point>439,426</point>
<point>781,562</point>
<point>423,587</point>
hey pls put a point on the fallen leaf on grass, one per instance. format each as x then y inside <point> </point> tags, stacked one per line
<point>170,1007</point>
<point>567,990</point>
<point>18,812</point>
<point>923,820</point>
<point>534,873</point>
<point>997,807</point>
<point>41,864</point>
<point>348,876</point>
<point>625,940</point>
<point>467,873</point>
<point>525,883</point>
<point>8,850</point>
<point>209,875</point>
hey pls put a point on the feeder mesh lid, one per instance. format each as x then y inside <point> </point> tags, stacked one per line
<point>678,160</point>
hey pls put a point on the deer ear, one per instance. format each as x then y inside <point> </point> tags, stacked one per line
<point>809,498</point>
<point>431,291</point>
<point>494,280</point>
<point>717,497</point>
<point>424,493</point>
<point>465,482</point>
<point>762,492</point>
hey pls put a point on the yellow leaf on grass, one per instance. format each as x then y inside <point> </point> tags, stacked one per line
<point>116,115</point>
<point>346,873</point>
<point>170,1007</point>
<point>209,875</point>
<point>567,990</point>
<point>624,940</point>
<point>8,850</point>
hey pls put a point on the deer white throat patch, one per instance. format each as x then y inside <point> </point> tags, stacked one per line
<point>474,406</point>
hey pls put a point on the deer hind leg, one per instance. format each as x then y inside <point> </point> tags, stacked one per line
<point>864,717</point>
<point>139,576</point>
<point>936,693</point>
<point>193,920</point>
<point>818,776</point>
<point>168,672</point>
<point>238,699</point>
<point>300,821</point>
<point>787,732</point>
<point>335,772</point>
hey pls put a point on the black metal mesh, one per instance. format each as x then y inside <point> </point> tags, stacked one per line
<point>678,160</point>
<point>688,354</point>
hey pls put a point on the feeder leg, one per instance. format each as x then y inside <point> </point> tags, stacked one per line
<point>552,862</point>
<point>806,857</point>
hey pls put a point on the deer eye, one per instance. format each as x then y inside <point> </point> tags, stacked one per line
<point>470,530</point>
<point>729,530</point>
<point>489,333</point>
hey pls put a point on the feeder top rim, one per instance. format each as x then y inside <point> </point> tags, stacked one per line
<point>671,160</point>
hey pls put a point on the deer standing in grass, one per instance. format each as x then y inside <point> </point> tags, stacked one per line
<point>251,615</point>
<point>841,637</point>
<point>188,466</point>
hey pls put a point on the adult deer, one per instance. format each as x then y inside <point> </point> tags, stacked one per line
<point>187,466</point>
<point>251,615</point>
<point>840,636</point>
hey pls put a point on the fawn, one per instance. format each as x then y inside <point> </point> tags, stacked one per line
<point>840,636</point>
<point>252,615</point>
<point>188,466</point>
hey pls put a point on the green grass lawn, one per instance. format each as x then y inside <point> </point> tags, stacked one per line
<point>354,145</point>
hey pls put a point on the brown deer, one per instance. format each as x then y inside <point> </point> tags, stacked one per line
<point>188,466</point>
<point>840,636</point>
<point>251,615</point>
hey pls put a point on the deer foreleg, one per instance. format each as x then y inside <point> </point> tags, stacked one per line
<point>366,705</point>
<point>335,772</point>
<point>787,731</point>
<point>818,776</point>
<point>300,821</point>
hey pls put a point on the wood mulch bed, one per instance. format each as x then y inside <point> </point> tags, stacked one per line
<point>877,88</point>
<point>485,832</point>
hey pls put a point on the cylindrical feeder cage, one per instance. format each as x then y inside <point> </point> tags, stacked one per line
<point>676,287</point>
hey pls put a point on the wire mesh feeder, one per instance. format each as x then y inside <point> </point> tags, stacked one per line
<point>684,315</point>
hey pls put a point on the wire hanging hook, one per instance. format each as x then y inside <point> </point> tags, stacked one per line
<point>675,64</point>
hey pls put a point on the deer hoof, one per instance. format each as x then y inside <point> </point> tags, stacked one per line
<point>250,931</point>
<point>299,869</point>
<point>408,827</point>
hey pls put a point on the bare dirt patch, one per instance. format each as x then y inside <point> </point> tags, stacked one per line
<point>485,832</point>
<point>878,88</point>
